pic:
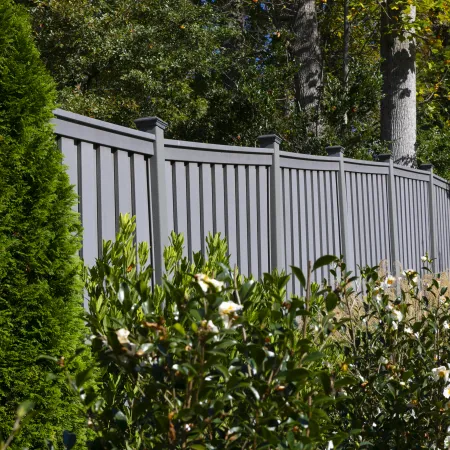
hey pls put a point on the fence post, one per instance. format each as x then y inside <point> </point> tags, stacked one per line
<point>158,192</point>
<point>393,223</point>
<point>273,141</point>
<point>431,212</point>
<point>338,152</point>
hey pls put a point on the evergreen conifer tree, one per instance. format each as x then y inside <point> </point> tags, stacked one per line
<point>40,295</point>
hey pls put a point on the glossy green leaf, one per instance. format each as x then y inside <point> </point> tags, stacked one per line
<point>324,261</point>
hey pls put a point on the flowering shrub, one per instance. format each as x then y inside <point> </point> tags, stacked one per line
<point>396,344</point>
<point>208,360</point>
<point>213,360</point>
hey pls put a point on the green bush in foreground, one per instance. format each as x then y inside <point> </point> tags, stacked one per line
<point>208,360</point>
<point>212,360</point>
<point>40,304</point>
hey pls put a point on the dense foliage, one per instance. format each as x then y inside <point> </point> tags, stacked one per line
<point>224,70</point>
<point>214,360</point>
<point>40,310</point>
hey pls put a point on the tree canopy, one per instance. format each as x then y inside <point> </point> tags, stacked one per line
<point>229,70</point>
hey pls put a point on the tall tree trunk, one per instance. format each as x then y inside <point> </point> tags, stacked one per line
<point>305,48</point>
<point>398,68</point>
<point>346,56</point>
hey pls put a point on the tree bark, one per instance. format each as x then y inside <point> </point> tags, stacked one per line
<point>398,68</point>
<point>305,48</point>
<point>346,52</point>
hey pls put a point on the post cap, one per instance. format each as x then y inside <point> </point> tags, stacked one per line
<point>427,166</point>
<point>335,150</point>
<point>267,140</point>
<point>383,157</point>
<point>147,124</point>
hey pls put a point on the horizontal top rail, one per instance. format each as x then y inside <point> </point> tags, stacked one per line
<point>440,182</point>
<point>407,172</point>
<point>86,129</point>
<point>188,145</point>
<point>410,169</point>
<point>304,156</point>
<point>216,154</point>
<point>366,167</point>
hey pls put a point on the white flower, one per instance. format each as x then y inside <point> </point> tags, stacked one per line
<point>395,325</point>
<point>447,442</point>
<point>440,373</point>
<point>409,330</point>
<point>446,325</point>
<point>397,315</point>
<point>205,282</point>
<point>226,308</point>
<point>330,445</point>
<point>122,336</point>
<point>187,427</point>
<point>411,274</point>
<point>388,282</point>
<point>424,258</point>
<point>446,392</point>
<point>211,327</point>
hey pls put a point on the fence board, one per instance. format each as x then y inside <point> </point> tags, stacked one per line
<point>263,220</point>
<point>88,195</point>
<point>252,210</point>
<point>195,237</point>
<point>242,231</point>
<point>170,195</point>
<point>231,213</point>
<point>107,202</point>
<point>295,260</point>
<point>219,200</point>
<point>287,220</point>
<point>70,151</point>
<point>180,202</point>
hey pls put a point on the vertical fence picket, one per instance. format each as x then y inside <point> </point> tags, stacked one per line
<point>431,214</point>
<point>393,223</point>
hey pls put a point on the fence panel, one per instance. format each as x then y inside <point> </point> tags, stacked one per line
<point>414,231</point>
<point>310,214</point>
<point>221,189</point>
<point>274,208</point>
<point>109,168</point>
<point>368,213</point>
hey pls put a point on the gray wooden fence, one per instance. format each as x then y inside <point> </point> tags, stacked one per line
<point>276,208</point>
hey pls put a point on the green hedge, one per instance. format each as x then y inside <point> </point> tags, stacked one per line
<point>40,295</point>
